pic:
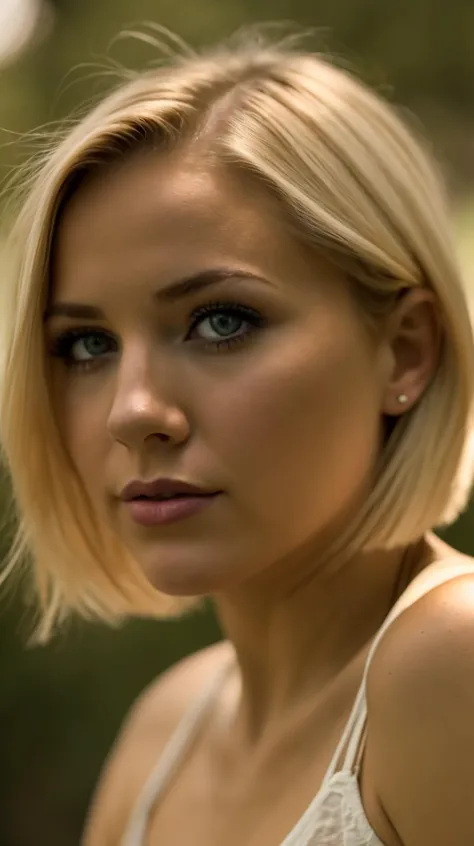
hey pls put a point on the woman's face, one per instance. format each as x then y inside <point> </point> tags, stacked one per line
<point>272,395</point>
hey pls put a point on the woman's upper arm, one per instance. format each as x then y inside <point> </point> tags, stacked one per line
<point>141,741</point>
<point>125,771</point>
<point>105,817</point>
<point>420,705</point>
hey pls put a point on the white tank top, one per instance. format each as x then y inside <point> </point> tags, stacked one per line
<point>336,816</point>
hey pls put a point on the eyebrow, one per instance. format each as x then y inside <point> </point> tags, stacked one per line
<point>169,294</point>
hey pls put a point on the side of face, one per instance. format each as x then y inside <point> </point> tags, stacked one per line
<point>286,420</point>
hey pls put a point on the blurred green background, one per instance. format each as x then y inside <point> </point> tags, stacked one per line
<point>61,706</point>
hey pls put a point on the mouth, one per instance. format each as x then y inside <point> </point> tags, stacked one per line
<point>163,498</point>
<point>162,489</point>
<point>161,510</point>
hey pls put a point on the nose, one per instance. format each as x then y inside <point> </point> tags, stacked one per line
<point>142,408</point>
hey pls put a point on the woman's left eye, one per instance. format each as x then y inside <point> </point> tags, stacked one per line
<point>223,322</point>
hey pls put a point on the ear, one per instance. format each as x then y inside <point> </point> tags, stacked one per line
<point>413,336</point>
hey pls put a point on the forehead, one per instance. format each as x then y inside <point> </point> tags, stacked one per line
<point>156,218</point>
<point>155,202</point>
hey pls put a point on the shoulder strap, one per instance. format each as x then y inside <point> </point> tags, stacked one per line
<point>431,577</point>
<point>170,759</point>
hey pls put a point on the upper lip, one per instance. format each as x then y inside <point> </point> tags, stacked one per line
<point>158,487</point>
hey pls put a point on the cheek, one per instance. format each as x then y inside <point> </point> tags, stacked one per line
<point>81,413</point>
<point>301,429</point>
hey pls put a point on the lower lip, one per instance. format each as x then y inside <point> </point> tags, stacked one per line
<point>151,512</point>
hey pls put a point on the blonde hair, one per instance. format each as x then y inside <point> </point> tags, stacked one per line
<point>354,182</point>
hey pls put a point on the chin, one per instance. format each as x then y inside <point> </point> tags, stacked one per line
<point>194,567</point>
<point>183,579</point>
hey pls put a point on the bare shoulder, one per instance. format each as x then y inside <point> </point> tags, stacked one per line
<point>145,731</point>
<point>427,631</point>
<point>164,701</point>
<point>420,698</point>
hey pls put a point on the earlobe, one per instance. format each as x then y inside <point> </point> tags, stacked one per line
<point>397,404</point>
<point>414,332</point>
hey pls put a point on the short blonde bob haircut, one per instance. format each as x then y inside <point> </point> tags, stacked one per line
<point>355,183</point>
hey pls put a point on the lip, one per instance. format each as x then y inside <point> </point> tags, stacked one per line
<point>161,487</point>
<point>155,512</point>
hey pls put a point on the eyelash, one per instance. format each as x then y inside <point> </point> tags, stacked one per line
<point>62,345</point>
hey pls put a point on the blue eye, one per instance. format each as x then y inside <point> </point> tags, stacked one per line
<point>88,347</point>
<point>83,347</point>
<point>224,321</point>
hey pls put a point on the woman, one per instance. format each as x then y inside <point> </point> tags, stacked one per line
<point>238,364</point>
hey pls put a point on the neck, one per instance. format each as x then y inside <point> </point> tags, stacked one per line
<point>293,640</point>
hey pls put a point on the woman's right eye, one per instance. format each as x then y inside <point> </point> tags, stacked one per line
<point>83,348</point>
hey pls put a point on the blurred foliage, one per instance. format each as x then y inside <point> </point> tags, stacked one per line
<point>61,706</point>
<point>419,49</point>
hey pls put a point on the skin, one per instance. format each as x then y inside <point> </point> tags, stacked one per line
<point>287,424</point>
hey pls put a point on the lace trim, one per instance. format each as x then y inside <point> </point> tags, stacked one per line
<point>337,819</point>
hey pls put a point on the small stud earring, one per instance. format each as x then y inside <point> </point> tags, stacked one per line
<point>402,398</point>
